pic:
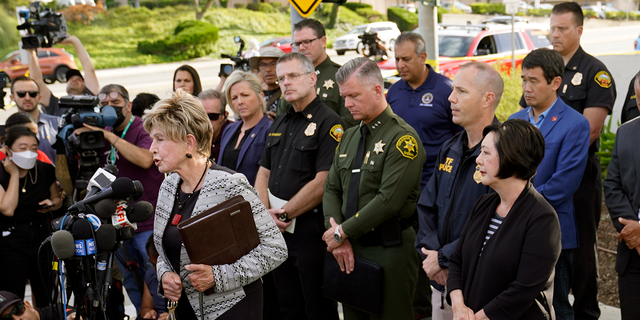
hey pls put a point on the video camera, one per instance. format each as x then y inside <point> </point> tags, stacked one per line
<point>84,110</point>
<point>45,27</point>
<point>369,38</point>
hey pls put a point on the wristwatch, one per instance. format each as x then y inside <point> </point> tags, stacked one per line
<point>284,217</point>
<point>336,235</point>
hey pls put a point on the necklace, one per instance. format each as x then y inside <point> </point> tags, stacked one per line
<point>176,219</point>
<point>24,186</point>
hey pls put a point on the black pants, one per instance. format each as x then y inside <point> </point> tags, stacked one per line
<point>587,202</point>
<point>299,278</point>
<point>19,251</point>
<point>629,288</point>
<point>271,308</point>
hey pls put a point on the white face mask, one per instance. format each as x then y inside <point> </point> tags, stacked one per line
<point>25,159</point>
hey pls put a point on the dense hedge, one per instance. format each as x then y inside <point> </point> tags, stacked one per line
<point>191,39</point>
<point>405,20</point>
<point>370,14</point>
<point>354,6</point>
<point>487,8</point>
<point>9,35</point>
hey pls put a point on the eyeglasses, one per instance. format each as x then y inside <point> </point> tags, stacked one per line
<point>291,76</point>
<point>306,43</point>
<point>263,65</point>
<point>32,94</point>
<point>112,95</point>
<point>214,116</point>
<point>17,311</point>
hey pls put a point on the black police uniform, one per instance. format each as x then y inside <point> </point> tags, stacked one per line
<point>587,83</point>
<point>630,106</point>
<point>299,145</point>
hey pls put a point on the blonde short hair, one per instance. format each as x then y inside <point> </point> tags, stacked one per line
<point>251,79</point>
<point>178,116</point>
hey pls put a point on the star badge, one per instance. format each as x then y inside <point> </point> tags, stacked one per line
<point>378,147</point>
<point>328,84</point>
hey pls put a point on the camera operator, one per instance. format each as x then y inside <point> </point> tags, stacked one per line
<point>26,93</point>
<point>76,84</point>
<point>127,147</point>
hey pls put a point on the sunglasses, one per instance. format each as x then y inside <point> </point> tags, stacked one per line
<point>17,311</point>
<point>32,94</point>
<point>214,116</point>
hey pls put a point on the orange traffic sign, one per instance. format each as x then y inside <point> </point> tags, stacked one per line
<point>305,7</point>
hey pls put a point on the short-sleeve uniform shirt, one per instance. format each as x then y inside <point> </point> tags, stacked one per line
<point>299,145</point>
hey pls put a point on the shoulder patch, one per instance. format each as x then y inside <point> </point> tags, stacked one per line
<point>603,79</point>
<point>336,132</point>
<point>408,146</point>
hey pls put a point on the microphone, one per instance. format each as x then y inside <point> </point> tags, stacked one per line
<point>62,244</point>
<point>94,220</point>
<point>120,218</point>
<point>120,188</point>
<point>101,179</point>
<point>105,208</point>
<point>105,238</point>
<point>140,211</point>
<point>85,244</point>
<point>126,233</point>
<point>138,190</point>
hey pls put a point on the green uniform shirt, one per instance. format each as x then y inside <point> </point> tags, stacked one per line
<point>389,178</point>
<point>327,90</point>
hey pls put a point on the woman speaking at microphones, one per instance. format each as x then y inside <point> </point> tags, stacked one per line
<point>28,192</point>
<point>182,134</point>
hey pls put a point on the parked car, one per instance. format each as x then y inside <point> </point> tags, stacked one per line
<point>505,20</point>
<point>387,32</point>
<point>459,44</point>
<point>457,5</point>
<point>54,62</point>
<point>284,43</point>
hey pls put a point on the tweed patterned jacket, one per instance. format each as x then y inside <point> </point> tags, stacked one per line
<point>219,186</point>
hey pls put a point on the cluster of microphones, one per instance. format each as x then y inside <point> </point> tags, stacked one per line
<point>86,238</point>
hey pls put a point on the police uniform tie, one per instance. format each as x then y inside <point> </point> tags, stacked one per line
<point>354,184</point>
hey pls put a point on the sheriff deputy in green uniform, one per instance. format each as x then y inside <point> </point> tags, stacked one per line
<point>309,39</point>
<point>372,188</point>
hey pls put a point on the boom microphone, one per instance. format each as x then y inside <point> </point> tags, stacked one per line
<point>62,244</point>
<point>120,188</point>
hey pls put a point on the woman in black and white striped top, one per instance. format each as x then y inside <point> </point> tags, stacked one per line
<point>503,265</point>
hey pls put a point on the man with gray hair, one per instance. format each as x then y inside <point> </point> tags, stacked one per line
<point>297,156</point>
<point>372,190</point>
<point>215,104</point>
<point>454,187</point>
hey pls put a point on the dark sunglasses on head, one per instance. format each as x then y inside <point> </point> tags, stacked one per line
<point>17,311</point>
<point>32,94</point>
<point>214,116</point>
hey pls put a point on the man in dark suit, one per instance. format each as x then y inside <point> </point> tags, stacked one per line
<point>566,135</point>
<point>622,196</point>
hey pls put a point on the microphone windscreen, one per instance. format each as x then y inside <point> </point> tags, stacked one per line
<point>105,208</point>
<point>122,188</point>
<point>82,229</point>
<point>77,122</point>
<point>111,168</point>
<point>138,190</point>
<point>127,233</point>
<point>106,237</point>
<point>140,212</point>
<point>62,244</point>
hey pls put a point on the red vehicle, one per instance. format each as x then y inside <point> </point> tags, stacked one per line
<point>284,43</point>
<point>489,43</point>
<point>54,62</point>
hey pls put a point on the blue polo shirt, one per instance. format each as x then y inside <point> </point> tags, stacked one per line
<point>428,110</point>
